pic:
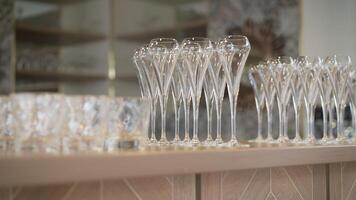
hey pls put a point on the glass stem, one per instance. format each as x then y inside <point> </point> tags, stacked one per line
<point>330,109</point>
<point>195,118</point>
<point>285,122</point>
<point>338,116</point>
<point>176,117</point>
<point>153,119</point>
<point>342,132</point>
<point>325,119</point>
<point>186,105</point>
<point>297,134</point>
<point>208,113</point>
<point>280,111</point>
<point>311,122</point>
<point>259,120</point>
<point>219,104</point>
<point>163,118</point>
<point>353,116</point>
<point>233,105</point>
<point>269,121</point>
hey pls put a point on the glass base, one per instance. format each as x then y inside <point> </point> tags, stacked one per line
<point>310,141</point>
<point>297,141</point>
<point>257,140</point>
<point>283,139</point>
<point>208,142</point>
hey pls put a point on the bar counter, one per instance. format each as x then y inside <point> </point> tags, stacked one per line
<point>205,173</point>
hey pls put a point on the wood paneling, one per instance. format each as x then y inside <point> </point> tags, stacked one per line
<point>279,183</point>
<point>343,181</point>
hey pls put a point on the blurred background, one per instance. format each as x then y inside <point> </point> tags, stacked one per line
<point>85,46</point>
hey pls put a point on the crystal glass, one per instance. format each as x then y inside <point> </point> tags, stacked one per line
<point>146,60</point>
<point>309,75</point>
<point>209,102</point>
<point>164,52</point>
<point>256,81</point>
<point>326,98</point>
<point>127,123</point>
<point>218,84</point>
<point>351,83</point>
<point>7,136</point>
<point>233,52</point>
<point>177,101</point>
<point>297,97</point>
<point>48,123</point>
<point>338,69</point>
<point>94,110</point>
<point>23,110</point>
<point>281,74</point>
<point>74,123</point>
<point>196,53</point>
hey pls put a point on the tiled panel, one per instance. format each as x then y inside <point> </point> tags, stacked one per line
<point>148,188</point>
<point>343,181</point>
<point>281,183</point>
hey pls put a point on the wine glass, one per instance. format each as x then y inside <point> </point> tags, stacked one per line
<point>270,94</point>
<point>351,83</point>
<point>164,52</point>
<point>309,76</point>
<point>209,98</point>
<point>326,96</point>
<point>148,69</point>
<point>338,68</point>
<point>297,97</point>
<point>218,82</point>
<point>177,100</point>
<point>196,53</point>
<point>281,75</point>
<point>256,81</point>
<point>233,52</point>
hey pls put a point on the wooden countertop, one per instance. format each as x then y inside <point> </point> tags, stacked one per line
<point>44,168</point>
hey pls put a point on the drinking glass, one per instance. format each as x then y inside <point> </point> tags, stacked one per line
<point>127,123</point>
<point>48,122</point>
<point>351,83</point>
<point>152,80</point>
<point>23,109</point>
<point>281,76</point>
<point>74,123</point>
<point>177,100</point>
<point>209,94</point>
<point>309,75</point>
<point>326,96</point>
<point>94,109</point>
<point>196,53</point>
<point>7,137</point>
<point>338,68</point>
<point>270,94</point>
<point>218,82</point>
<point>164,52</point>
<point>256,81</point>
<point>147,86</point>
<point>297,97</point>
<point>233,52</point>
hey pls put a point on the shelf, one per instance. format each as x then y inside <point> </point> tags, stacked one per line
<point>47,169</point>
<point>59,76</point>
<point>53,36</point>
<point>37,87</point>
<point>59,2</point>
<point>193,28</point>
<point>174,2</point>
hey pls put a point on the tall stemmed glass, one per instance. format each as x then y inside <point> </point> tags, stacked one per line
<point>196,53</point>
<point>309,75</point>
<point>281,73</point>
<point>209,94</point>
<point>177,100</point>
<point>218,79</point>
<point>297,97</point>
<point>149,71</point>
<point>351,83</point>
<point>326,96</point>
<point>164,53</point>
<point>338,70</point>
<point>233,52</point>
<point>256,81</point>
<point>270,94</point>
<point>142,77</point>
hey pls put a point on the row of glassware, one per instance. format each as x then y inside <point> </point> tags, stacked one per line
<point>182,70</point>
<point>56,123</point>
<point>302,82</point>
